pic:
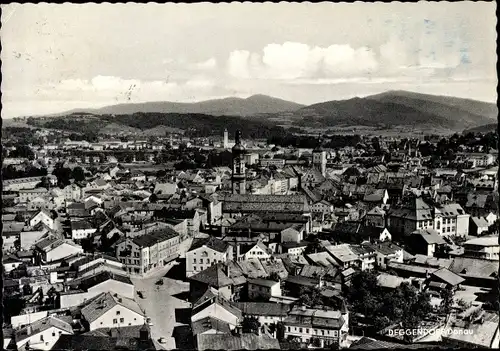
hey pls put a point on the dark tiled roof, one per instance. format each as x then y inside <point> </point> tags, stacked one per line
<point>213,276</point>
<point>209,323</point>
<point>211,242</point>
<point>86,283</point>
<point>150,239</point>
<point>91,342</point>
<point>263,308</point>
<point>243,342</point>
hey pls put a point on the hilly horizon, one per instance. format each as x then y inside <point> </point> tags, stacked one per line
<point>398,108</point>
<point>388,110</point>
<point>231,106</point>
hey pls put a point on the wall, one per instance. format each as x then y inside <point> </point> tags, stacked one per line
<point>114,287</point>
<point>107,319</point>
<point>25,319</point>
<point>216,311</point>
<point>48,337</point>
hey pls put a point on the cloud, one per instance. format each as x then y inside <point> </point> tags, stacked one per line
<point>209,64</point>
<point>292,60</point>
<point>111,89</point>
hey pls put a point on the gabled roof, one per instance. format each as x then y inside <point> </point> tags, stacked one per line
<point>263,308</point>
<point>210,323</point>
<point>104,302</point>
<point>88,282</point>
<point>41,325</point>
<point>243,342</point>
<point>448,276</point>
<point>210,242</point>
<point>430,236</point>
<point>155,237</point>
<point>213,276</point>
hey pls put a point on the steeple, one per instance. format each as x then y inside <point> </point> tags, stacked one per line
<point>239,177</point>
<point>319,157</point>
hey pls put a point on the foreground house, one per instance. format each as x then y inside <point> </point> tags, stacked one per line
<point>236,342</point>
<point>112,311</point>
<point>319,327</point>
<point>144,253</point>
<point>42,334</point>
<point>206,252</point>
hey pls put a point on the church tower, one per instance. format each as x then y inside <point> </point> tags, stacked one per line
<point>226,140</point>
<point>319,158</point>
<point>238,179</point>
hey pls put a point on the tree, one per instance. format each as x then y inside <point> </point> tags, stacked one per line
<point>78,174</point>
<point>447,301</point>
<point>274,276</point>
<point>63,175</point>
<point>314,245</point>
<point>153,198</point>
<point>250,324</point>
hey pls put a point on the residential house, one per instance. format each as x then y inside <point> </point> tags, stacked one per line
<point>212,304</point>
<point>42,334</point>
<point>27,195</point>
<point>267,313</point>
<point>87,287</point>
<point>72,192</point>
<point>485,248</point>
<point>44,217</point>
<point>322,206</point>
<point>52,249</point>
<point>258,250</point>
<point>478,225</point>
<point>247,341</point>
<point>387,252</point>
<point>109,310</point>
<point>205,252</point>
<point>448,219</point>
<point>318,327</point>
<point>426,242</point>
<point>263,289</point>
<point>295,233</point>
<point>147,252</point>
<point>292,248</point>
<point>375,217</point>
<point>81,229</point>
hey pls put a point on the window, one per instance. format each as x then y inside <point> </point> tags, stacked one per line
<point>208,260</point>
<point>121,320</point>
<point>307,331</point>
<point>201,260</point>
<point>41,337</point>
<point>300,330</point>
<point>194,268</point>
<point>194,260</point>
<point>53,333</point>
<point>115,321</point>
<point>117,313</point>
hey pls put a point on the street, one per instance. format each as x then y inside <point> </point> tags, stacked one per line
<point>159,304</point>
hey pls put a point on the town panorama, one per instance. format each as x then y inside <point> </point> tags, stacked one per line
<point>357,211</point>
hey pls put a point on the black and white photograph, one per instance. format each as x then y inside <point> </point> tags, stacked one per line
<point>250,176</point>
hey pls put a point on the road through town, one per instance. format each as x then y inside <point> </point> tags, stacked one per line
<point>159,304</point>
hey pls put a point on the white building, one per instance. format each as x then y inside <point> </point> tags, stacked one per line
<point>44,217</point>
<point>205,252</point>
<point>112,311</point>
<point>42,334</point>
<point>263,289</point>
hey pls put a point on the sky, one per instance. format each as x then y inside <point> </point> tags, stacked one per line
<point>56,57</point>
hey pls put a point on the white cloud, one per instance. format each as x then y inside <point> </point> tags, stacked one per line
<point>296,60</point>
<point>239,64</point>
<point>209,64</point>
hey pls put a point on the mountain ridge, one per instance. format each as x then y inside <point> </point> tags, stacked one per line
<point>230,106</point>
